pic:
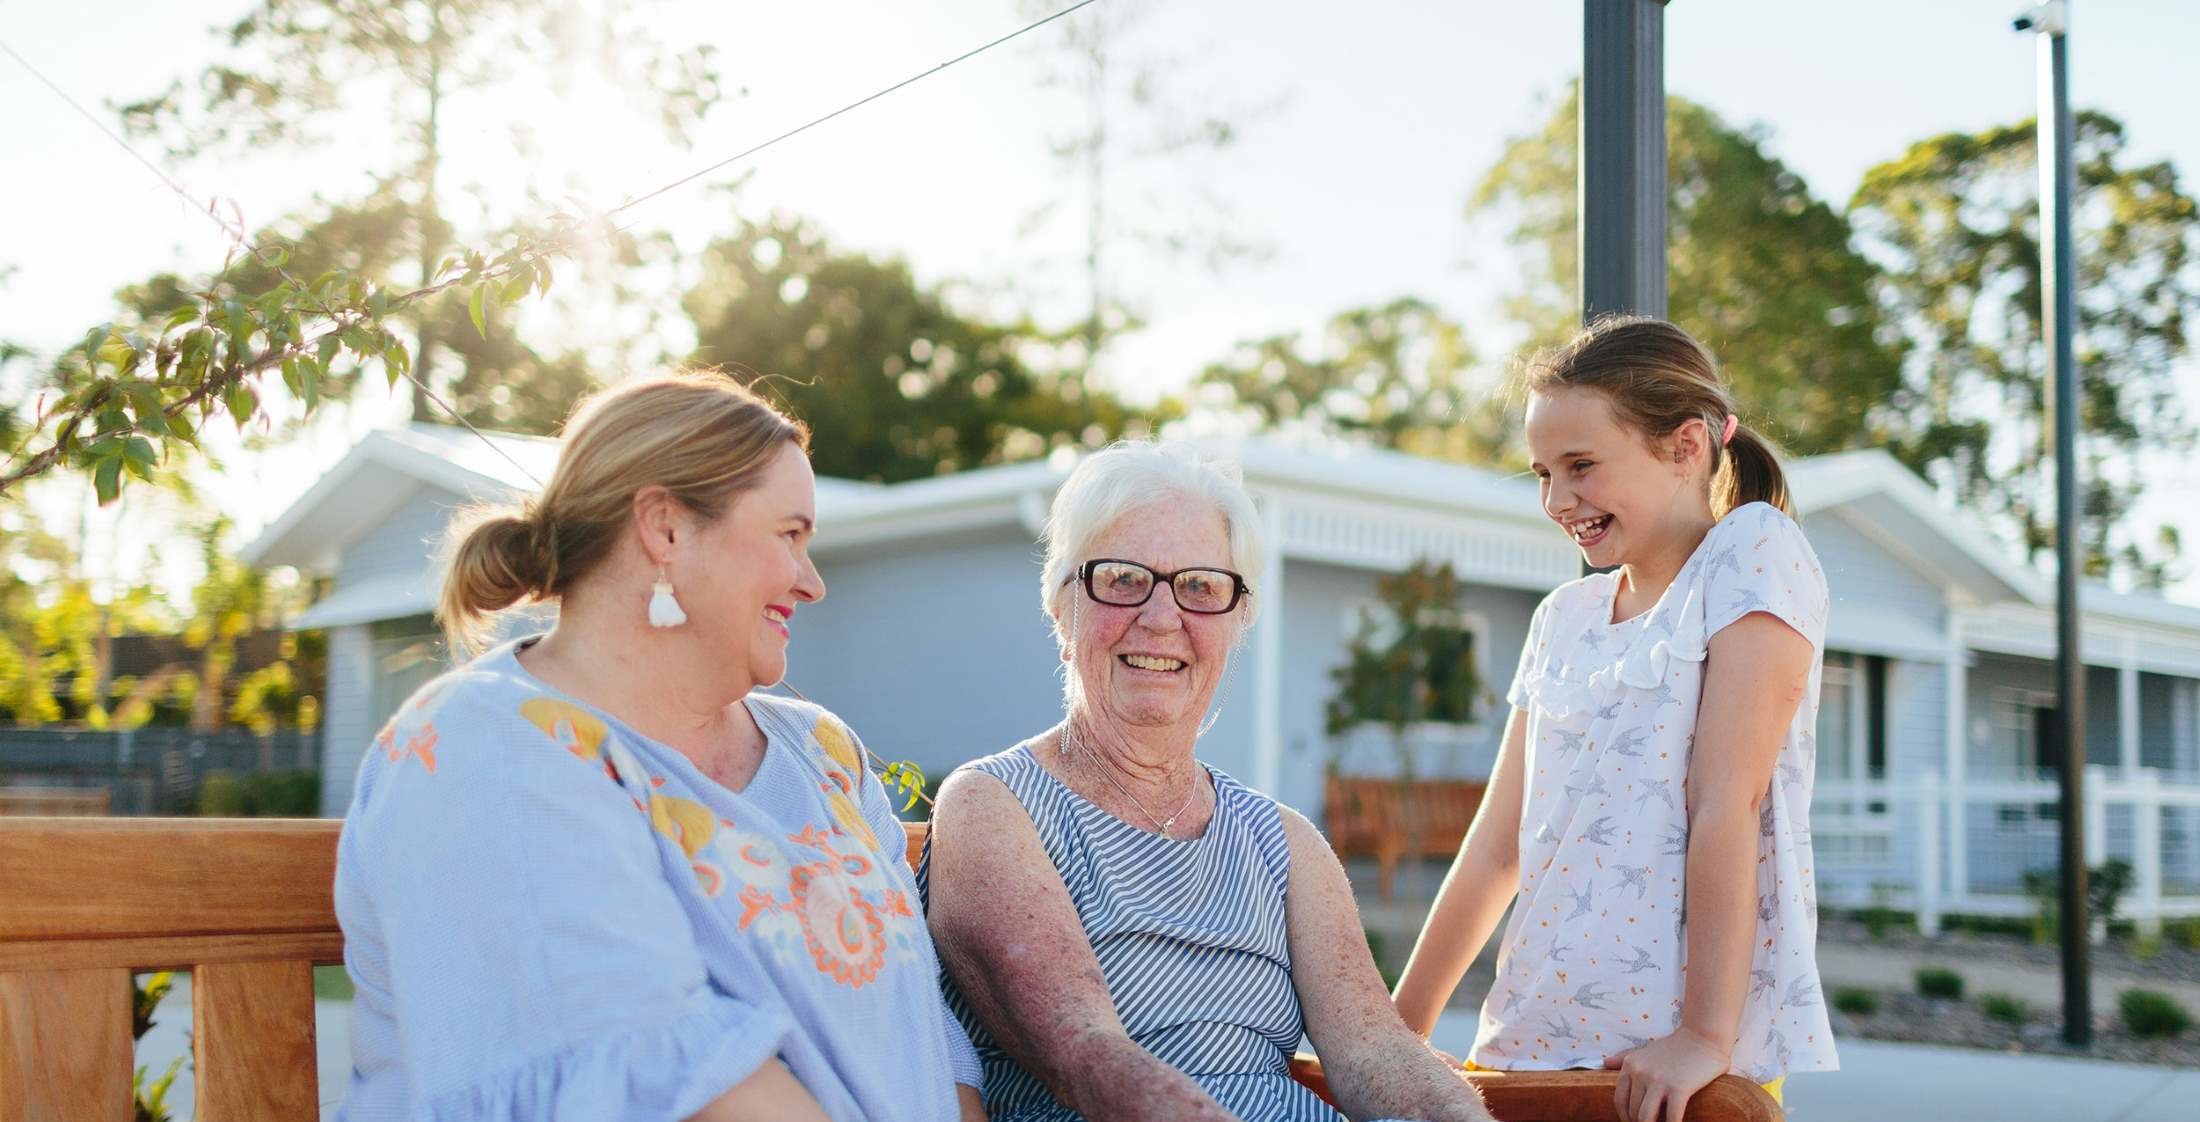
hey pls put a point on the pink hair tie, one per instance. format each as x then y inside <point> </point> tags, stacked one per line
<point>1727,437</point>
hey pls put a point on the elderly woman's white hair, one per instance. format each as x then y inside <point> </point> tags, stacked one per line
<point>1130,475</point>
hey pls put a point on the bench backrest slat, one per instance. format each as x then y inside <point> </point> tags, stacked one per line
<point>155,879</point>
<point>252,1042</point>
<point>65,1046</point>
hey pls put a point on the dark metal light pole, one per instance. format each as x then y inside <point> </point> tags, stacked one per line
<point>2058,308</point>
<point>1622,148</point>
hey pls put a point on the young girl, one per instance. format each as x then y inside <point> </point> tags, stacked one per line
<point>1649,812</point>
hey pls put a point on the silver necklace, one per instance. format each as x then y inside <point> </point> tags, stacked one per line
<point>1107,773</point>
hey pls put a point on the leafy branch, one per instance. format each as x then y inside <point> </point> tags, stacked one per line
<point>127,393</point>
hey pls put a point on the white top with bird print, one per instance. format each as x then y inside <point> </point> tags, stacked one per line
<point>1594,955</point>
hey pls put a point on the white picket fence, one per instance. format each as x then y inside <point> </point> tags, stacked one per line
<point>1934,848</point>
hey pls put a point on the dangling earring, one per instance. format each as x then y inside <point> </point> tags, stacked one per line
<point>664,611</point>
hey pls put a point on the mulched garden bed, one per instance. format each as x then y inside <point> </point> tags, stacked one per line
<point>1933,1020</point>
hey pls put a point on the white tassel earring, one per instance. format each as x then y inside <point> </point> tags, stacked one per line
<point>664,611</point>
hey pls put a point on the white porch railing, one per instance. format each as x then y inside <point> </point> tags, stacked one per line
<point>1916,844</point>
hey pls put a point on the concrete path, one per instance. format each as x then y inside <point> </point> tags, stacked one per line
<point>1885,968</point>
<point>1882,1082</point>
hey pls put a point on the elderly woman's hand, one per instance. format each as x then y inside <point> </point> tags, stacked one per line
<point>1665,1073</point>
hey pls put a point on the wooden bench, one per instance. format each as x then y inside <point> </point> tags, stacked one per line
<point>247,906</point>
<point>1372,816</point>
<point>55,802</point>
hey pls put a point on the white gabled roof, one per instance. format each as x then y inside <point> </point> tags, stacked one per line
<point>389,466</point>
<point>1869,490</point>
<point>1897,511</point>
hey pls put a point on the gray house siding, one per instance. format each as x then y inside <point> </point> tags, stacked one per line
<point>348,717</point>
<point>934,652</point>
<point>399,542</point>
<point>1861,575</point>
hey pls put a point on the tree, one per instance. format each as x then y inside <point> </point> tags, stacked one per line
<point>303,61</point>
<point>1410,663</point>
<point>1399,375</point>
<point>896,383</point>
<point>1131,100</point>
<point>1761,271</point>
<point>1956,219</point>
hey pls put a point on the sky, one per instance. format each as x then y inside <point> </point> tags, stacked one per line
<point>1378,118</point>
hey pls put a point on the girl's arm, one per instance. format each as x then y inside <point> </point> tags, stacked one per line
<point>1376,1068</point>
<point>1755,676</point>
<point>1009,935</point>
<point>1482,881</point>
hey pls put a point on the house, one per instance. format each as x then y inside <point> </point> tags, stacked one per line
<point>1935,788</point>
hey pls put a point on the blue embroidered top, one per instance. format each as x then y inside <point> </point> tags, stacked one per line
<point>549,916</point>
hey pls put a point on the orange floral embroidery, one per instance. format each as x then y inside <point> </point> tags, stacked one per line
<point>574,728</point>
<point>420,743</point>
<point>845,937</point>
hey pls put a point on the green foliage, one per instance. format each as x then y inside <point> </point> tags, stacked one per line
<point>1937,981</point>
<point>1856,1001</point>
<point>2152,1013</point>
<point>894,381</point>
<point>1956,220</point>
<point>2006,1008</point>
<point>1761,271</point>
<point>1412,662</point>
<point>331,983</point>
<point>150,1100</point>
<point>147,998</point>
<point>2105,887</point>
<point>1399,375</point>
<point>262,794</point>
<point>908,779</point>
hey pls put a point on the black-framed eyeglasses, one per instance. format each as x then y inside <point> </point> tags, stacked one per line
<point>1127,584</point>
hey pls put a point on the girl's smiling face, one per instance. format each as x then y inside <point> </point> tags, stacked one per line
<point>1621,496</point>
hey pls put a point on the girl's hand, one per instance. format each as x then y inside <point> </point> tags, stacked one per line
<point>1657,1080</point>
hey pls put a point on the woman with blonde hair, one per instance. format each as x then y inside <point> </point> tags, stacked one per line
<point>591,874</point>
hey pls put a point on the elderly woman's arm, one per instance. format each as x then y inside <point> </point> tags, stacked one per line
<point>1009,934</point>
<point>1377,1067</point>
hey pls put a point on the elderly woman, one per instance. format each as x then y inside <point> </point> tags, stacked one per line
<point>590,874</point>
<point>1131,935</point>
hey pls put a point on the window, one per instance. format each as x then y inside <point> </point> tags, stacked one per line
<point>1852,723</point>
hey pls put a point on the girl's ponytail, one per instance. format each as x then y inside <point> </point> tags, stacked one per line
<point>1748,472</point>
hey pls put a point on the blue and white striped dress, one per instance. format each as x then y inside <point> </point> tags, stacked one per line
<point>1190,937</point>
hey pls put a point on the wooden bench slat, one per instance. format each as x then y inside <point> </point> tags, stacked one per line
<point>174,952</point>
<point>1577,1096</point>
<point>159,878</point>
<point>65,1046</point>
<point>252,1043</point>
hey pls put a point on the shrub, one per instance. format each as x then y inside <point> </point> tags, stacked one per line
<point>2105,886</point>
<point>1856,1001</point>
<point>223,795</point>
<point>2004,1007</point>
<point>1936,981</point>
<point>2152,1013</point>
<point>261,794</point>
<point>285,794</point>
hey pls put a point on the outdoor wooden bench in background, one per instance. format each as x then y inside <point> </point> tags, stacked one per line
<point>1373,816</point>
<point>54,802</point>
<point>247,906</point>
